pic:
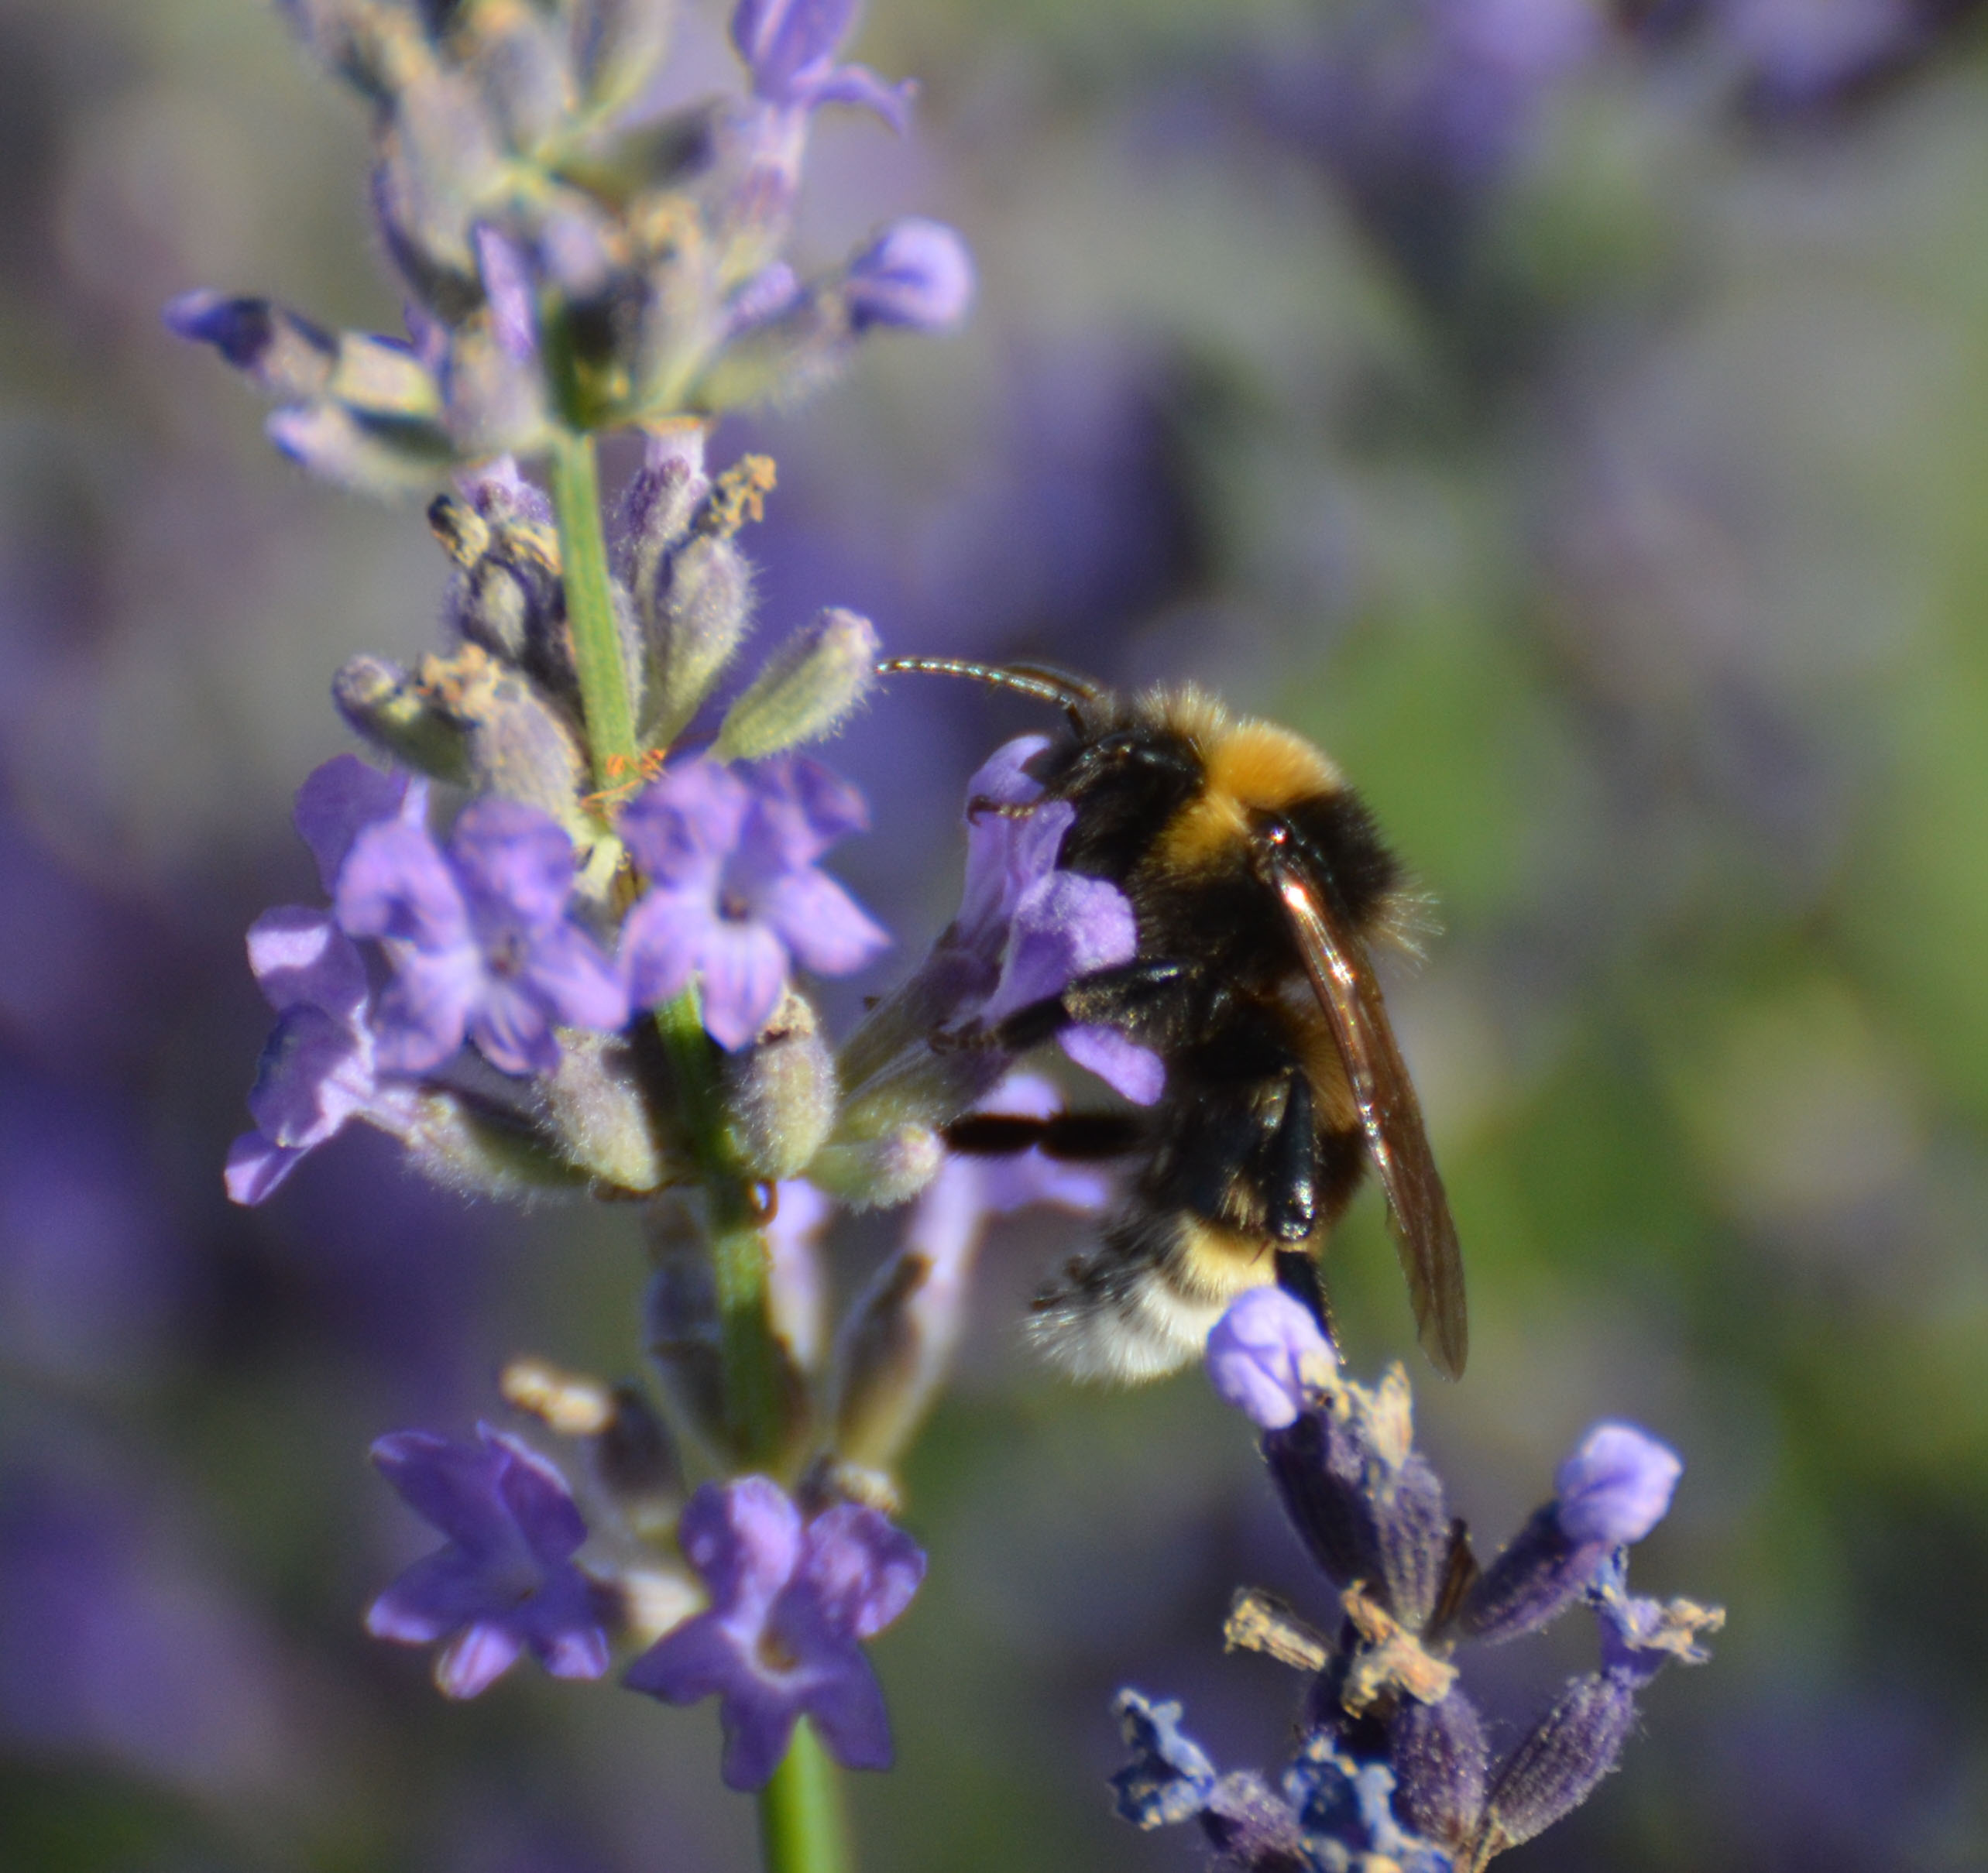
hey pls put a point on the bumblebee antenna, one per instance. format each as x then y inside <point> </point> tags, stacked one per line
<point>1069,694</point>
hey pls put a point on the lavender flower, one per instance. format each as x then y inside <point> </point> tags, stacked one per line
<point>480,938</point>
<point>789,48</point>
<point>1041,927</point>
<point>506,1581</point>
<point>736,898</point>
<point>791,1604</point>
<point>320,1067</point>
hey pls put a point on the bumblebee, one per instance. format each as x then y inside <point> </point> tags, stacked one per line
<point>1258,881</point>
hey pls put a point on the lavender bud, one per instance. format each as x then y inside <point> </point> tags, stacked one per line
<point>779,1092</point>
<point>879,1172</point>
<point>389,708</point>
<point>1561,1761</point>
<point>384,458</point>
<point>702,604</point>
<point>381,378</point>
<point>483,1150</point>
<point>806,690</point>
<point>1616,1486</point>
<point>662,501</point>
<point>1367,1506</point>
<point>440,161</point>
<point>280,352</point>
<point>517,745</point>
<point>1250,1826</point>
<point>613,47</point>
<point>916,275</point>
<point>594,1099</point>
<point>1441,1765</point>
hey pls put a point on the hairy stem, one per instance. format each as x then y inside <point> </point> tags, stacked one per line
<point>604,701</point>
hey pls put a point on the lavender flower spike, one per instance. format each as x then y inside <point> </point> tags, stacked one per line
<point>736,896</point>
<point>1267,1357</point>
<point>506,1581</point>
<point>790,1606</point>
<point>480,938</point>
<point>789,46</point>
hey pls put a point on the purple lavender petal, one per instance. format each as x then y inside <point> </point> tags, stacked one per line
<point>1259,1353</point>
<point>744,969</point>
<point>860,1571</point>
<point>511,1030</point>
<point>765,296</point>
<point>824,927</point>
<point>743,1538</point>
<point>301,959</point>
<point>661,941</point>
<point>514,863</point>
<point>507,285</point>
<point>338,800</point>
<point>1615,1486</point>
<point>858,85</point>
<point>916,275</point>
<point>1133,1072</point>
<point>681,827</point>
<point>570,974</point>
<point>446,1484</point>
<point>394,883</point>
<point>1064,925</point>
<point>474,1662</point>
<point>847,1704</point>
<point>314,1075</point>
<point>782,39</point>
<point>423,1013</point>
<point>800,808</point>
<point>257,1168</point>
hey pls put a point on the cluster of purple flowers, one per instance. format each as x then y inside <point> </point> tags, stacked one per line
<point>1393,1766</point>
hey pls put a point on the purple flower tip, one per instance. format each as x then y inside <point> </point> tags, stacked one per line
<point>1615,1486</point>
<point>789,46</point>
<point>790,1606</point>
<point>1266,1355</point>
<point>916,274</point>
<point>239,329</point>
<point>505,1583</point>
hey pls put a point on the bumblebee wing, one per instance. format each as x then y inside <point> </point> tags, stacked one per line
<point>1425,1235</point>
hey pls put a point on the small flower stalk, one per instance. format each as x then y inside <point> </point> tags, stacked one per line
<point>1395,1770</point>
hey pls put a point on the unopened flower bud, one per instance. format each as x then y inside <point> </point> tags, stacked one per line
<point>701,604</point>
<point>1442,1765</point>
<point>595,1101</point>
<point>386,706</point>
<point>806,690</point>
<point>880,1172</point>
<point>281,352</point>
<point>779,1092</point>
<point>482,1150</point>
<point>916,275</point>
<point>372,457</point>
<point>1558,1764</point>
<point>662,501</point>
<point>1616,1486</point>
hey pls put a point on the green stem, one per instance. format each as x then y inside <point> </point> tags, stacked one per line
<point>801,1822</point>
<point>800,1812</point>
<point>590,611</point>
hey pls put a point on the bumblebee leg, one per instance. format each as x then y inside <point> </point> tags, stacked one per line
<point>1117,997</point>
<point>1080,1137</point>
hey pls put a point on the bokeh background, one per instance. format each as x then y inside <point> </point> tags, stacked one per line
<point>1576,420</point>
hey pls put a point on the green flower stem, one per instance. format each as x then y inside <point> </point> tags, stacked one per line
<point>590,611</point>
<point>738,1248</point>
<point>801,1822</point>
